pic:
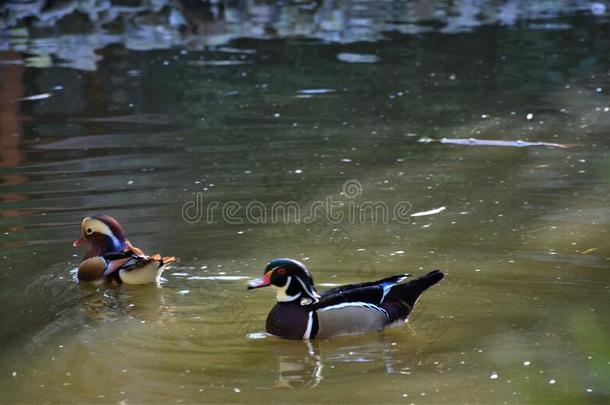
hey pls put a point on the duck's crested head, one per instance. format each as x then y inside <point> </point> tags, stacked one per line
<point>103,231</point>
<point>291,279</point>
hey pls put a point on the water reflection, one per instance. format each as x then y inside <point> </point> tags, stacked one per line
<point>11,90</point>
<point>74,306</point>
<point>304,364</point>
<point>165,24</point>
<point>299,364</point>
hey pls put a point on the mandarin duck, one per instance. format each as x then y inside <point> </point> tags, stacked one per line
<point>110,256</point>
<point>302,313</point>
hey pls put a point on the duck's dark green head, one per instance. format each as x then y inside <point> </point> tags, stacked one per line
<point>291,279</point>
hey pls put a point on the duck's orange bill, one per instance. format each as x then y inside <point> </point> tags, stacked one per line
<point>260,282</point>
<point>79,242</point>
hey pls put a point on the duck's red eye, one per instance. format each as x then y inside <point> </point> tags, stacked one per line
<point>281,271</point>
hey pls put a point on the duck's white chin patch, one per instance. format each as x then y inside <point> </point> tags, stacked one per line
<point>280,292</point>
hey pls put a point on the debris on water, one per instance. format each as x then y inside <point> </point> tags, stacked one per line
<point>529,116</point>
<point>552,381</point>
<point>36,97</point>
<point>494,376</point>
<point>429,212</point>
<point>357,57</point>
<point>598,8</point>
<point>183,292</point>
<point>237,390</point>
<point>493,142</point>
<point>316,91</point>
<point>218,62</point>
<point>526,363</point>
<point>587,251</point>
<point>257,335</point>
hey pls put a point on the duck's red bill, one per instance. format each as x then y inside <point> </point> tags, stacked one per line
<point>79,242</point>
<point>260,282</point>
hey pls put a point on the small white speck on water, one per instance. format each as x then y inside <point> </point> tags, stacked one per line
<point>360,250</point>
<point>526,363</point>
<point>399,252</point>
<point>277,115</point>
<point>552,381</point>
<point>298,171</point>
<point>240,232</point>
<point>589,390</point>
<point>183,292</point>
<point>599,89</point>
<point>346,160</point>
<point>130,182</point>
<point>529,116</point>
<point>494,376</point>
<point>14,374</point>
<point>237,390</point>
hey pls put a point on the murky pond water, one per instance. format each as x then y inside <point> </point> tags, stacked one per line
<point>165,139</point>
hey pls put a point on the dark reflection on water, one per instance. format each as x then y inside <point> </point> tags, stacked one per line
<point>137,121</point>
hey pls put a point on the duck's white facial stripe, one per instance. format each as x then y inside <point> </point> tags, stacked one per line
<point>100,227</point>
<point>281,295</point>
<point>307,290</point>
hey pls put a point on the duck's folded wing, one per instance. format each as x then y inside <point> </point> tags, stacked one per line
<point>383,282</point>
<point>369,294</point>
<point>116,261</point>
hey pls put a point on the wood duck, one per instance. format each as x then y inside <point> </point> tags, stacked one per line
<point>302,313</point>
<point>123,267</point>
<point>110,256</point>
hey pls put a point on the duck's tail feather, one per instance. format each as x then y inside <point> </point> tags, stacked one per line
<point>401,298</point>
